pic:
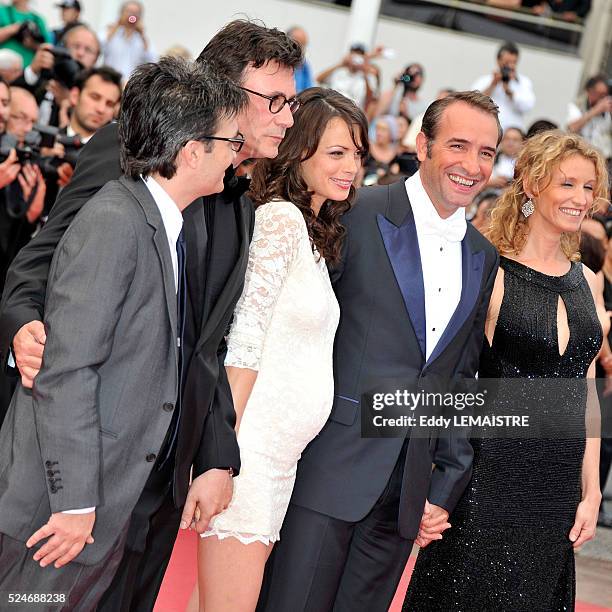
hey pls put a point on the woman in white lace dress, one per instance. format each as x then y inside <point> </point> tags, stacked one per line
<point>279,359</point>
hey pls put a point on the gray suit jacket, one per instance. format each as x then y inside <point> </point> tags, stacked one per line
<point>102,403</point>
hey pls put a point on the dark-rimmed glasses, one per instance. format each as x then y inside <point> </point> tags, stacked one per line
<point>277,102</point>
<point>236,142</point>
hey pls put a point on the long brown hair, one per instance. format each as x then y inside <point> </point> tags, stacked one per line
<point>539,158</point>
<point>281,177</point>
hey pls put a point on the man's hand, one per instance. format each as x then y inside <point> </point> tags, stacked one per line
<point>433,523</point>
<point>31,177</point>
<point>67,533</point>
<point>64,174</point>
<point>211,493</point>
<point>59,92</point>
<point>43,59</point>
<point>9,169</point>
<point>603,106</point>
<point>28,347</point>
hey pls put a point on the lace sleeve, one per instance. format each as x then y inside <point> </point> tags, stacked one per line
<point>275,239</point>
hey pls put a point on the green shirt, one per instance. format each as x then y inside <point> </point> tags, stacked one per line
<point>9,15</point>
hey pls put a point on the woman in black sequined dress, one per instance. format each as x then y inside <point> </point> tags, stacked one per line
<point>530,502</point>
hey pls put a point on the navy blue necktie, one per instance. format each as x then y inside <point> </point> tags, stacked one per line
<point>168,448</point>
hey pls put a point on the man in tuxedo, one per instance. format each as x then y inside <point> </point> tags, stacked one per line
<point>80,453</point>
<point>217,232</point>
<point>413,286</point>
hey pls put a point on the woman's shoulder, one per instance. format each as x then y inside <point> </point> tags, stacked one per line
<point>595,281</point>
<point>279,217</point>
<point>280,209</point>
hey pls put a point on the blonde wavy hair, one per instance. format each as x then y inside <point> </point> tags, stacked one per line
<point>540,157</point>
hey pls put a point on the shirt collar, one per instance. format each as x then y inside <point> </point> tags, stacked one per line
<point>170,213</point>
<point>70,132</point>
<point>425,213</point>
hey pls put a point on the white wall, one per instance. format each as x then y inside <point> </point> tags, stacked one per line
<point>450,59</point>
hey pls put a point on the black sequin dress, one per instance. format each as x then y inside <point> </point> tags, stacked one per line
<point>508,548</point>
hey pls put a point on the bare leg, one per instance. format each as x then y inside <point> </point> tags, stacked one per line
<point>193,605</point>
<point>218,559</point>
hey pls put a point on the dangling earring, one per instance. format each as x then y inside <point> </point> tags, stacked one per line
<point>527,208</point>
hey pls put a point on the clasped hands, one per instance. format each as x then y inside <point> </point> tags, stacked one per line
<point>209,494</point>
<point>433,522</point>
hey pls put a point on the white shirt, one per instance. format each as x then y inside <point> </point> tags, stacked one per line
<point>440,261</point>
<point>173,224</point>
<point>504,166</point>
<point>512,110</point>
<point>351,84</point>
<point>598,131</point>
<point>171,218</point>
<point>125,53</point>
<point>70,132</point>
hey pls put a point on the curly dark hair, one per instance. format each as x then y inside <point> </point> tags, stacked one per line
<point>281,177</point>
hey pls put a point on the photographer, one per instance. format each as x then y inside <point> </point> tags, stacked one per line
<point>591,115</point>
<point>511,91</point>
<point>71,13</point>
<point>125,42</point>
<point>53,70</point>
<point>353,77</point>
<point>93,103</point>
<point>404,98</point>
<point>22,188</point>
<point>22,30</point>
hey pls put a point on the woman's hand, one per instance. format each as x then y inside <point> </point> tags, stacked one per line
<point>585,522</point>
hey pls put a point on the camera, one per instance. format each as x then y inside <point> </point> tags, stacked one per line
<point>29,32</point>
<point>506,72</point>
<point>407,80</point>
<point>40,137</point>
<point>65,68</point>
<point>48,136</point>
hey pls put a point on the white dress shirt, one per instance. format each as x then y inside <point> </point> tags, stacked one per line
<point>352,84</point>
<point>124,53</point>
<point>173,224</point>
<point>512,110</point>
<point>440,248</point>
<point>171,218</point>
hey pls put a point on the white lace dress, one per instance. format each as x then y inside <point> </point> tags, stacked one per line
<point>283,328</point>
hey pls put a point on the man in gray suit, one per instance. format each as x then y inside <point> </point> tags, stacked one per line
<point>77,451</point>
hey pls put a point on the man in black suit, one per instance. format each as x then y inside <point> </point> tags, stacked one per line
<point>217,232</point>
<point>413,286</point>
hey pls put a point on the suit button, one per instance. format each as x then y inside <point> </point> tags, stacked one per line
<point>151,457</point>
<point>53,489</point>
<point>50,473</point>
<point>168,407</point>
<point>48,464</point>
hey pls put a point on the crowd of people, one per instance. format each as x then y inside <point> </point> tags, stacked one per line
<point>197,295</point>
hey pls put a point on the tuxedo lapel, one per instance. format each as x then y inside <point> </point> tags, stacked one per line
<point>214,313</point>
<point>196,239</point>
<point>472,264</point>
<point>399,235</point>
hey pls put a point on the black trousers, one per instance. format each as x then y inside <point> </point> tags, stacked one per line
<point>322,563</point>
<point>151,535</point>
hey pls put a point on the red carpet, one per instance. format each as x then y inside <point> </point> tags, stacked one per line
<point>181,577</point>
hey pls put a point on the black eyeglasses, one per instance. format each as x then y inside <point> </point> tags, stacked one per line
<point>277,102</point>
<point>236,142</point>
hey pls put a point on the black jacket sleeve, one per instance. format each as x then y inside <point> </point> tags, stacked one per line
<point>23,298</point>
<point>219,446</point>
